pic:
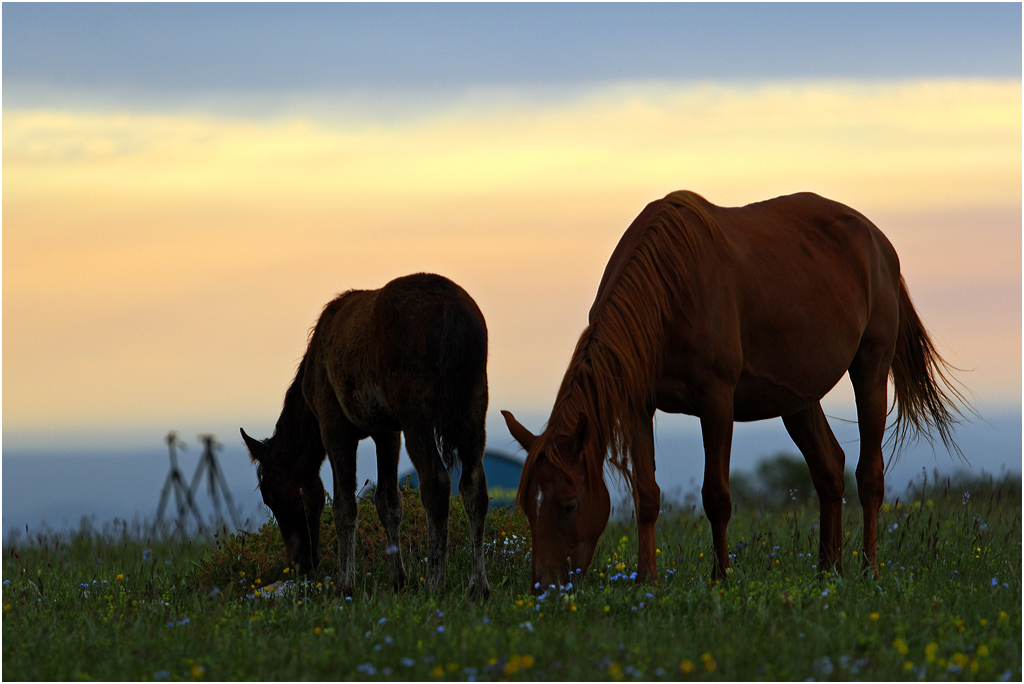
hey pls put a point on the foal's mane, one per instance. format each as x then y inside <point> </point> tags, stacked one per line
<point>619,355</point>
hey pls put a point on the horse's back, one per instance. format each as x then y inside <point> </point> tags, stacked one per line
<point>386,353</point>
<point>787,291</point>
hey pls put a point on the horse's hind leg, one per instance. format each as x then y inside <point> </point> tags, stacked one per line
<point>826,461</point>
<point>869,375</point>
<point>473,488</point>
<point>388,501</point>
<point>435,492</point>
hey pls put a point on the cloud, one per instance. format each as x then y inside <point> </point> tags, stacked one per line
<point>147,253</point>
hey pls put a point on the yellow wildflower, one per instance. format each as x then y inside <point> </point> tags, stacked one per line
<point>930,650</point>
<point>686,667</point>
<point>709,662</point>
<point>873,617</point>
<point>900,646</point>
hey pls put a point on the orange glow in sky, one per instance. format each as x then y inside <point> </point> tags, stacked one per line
<point>162,267</point>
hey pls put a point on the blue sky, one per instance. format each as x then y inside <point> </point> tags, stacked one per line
<point>181,48</point>
<point>186,185</point>
<point>230,167</point>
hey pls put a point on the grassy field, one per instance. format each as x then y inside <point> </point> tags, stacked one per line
<point>120,606</point>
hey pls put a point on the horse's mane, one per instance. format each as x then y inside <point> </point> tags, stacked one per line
<point>619,355</point>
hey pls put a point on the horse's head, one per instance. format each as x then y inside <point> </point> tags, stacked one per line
<point>565,500</point>
<point>296,499</point>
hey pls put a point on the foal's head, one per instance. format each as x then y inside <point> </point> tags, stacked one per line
<point>566,503</point>
<point>296,499</point>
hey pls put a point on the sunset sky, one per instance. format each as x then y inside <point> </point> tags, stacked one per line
<point>185,186</point>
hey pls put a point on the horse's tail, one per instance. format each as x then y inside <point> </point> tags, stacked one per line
<point>460,413</point>
<point>928,399</point>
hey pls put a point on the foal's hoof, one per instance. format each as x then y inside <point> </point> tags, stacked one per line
<point>480,592</point>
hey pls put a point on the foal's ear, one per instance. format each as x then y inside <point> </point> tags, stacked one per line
<point>257,449</point>
<point>519,433</point>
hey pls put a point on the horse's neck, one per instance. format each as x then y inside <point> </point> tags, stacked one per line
<point>298,430</point>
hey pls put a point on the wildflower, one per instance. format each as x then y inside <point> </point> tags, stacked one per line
<point>1003,615</point>
<point>367,669</point>
<point>120,576</point>
<point>318,630</point>
<point>908,666</point>
<point>873,617</point>
<point>197,671</point>
<point>285,571</point>
<point>900,646</point>
<point>709,662</point>
<point>407,662</point>
<point>162,674</point>
<point>930,650</point>
<point>146,554</point>
<point>437,671</point>
<point>982,651</point>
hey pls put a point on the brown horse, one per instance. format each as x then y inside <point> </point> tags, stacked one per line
<point>730,314</point>
<point>410,357</point>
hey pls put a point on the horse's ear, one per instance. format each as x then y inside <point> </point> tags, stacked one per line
<point>257,449</point>
<point>579,435</point>
<point>519,433</point>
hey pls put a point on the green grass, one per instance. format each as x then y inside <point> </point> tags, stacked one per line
<point>947,606</point>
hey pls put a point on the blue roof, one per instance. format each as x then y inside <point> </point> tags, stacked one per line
<point>502,470</point>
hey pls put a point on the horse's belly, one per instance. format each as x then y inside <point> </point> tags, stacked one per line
<point>368,410</point>
<point>761,397</point>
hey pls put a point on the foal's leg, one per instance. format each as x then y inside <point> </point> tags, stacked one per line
<point>341,449</point>
<point>646,499</point>
<point>473,488</point>
<point>869,375</point>
<point>435,492</point>
<point>388,501</point>
<point>825,458</point>
<point>716,429</point>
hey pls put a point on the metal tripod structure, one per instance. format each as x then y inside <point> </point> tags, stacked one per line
<point>186,503</point>
<point>208,462</point>
<point>184,495</point>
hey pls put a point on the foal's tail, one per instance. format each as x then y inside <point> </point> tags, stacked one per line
<point>928,399</point>
<point>460,413</point>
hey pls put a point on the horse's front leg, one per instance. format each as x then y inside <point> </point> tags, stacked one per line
<point>646,498</point>
<point>341,449</point>
<point>716,430</point>
<point>388,500</point>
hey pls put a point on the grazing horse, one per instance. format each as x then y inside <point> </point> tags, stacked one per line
<point>410,357</point>
<point>730,314</point>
